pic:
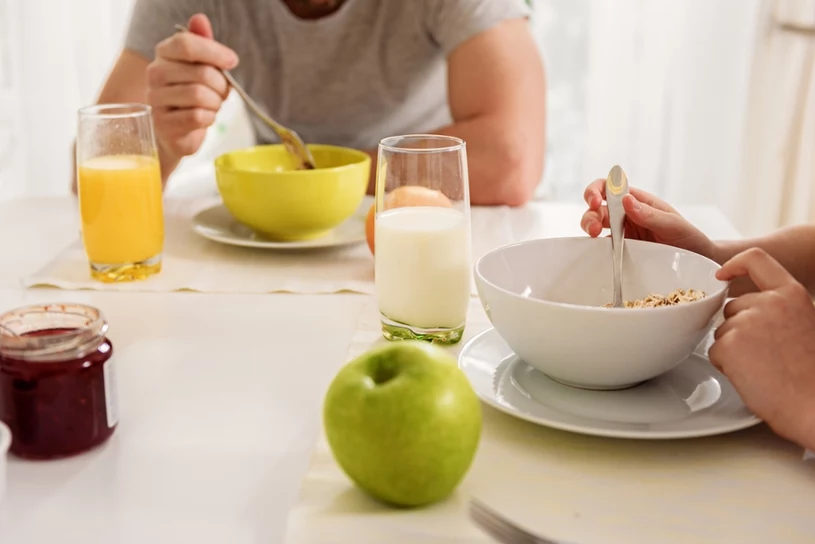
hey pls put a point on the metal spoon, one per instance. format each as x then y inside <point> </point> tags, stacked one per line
<point>289,138</point>
<point>502,529</point>
<point>616,189</point>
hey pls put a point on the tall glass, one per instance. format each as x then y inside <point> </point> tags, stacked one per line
<point>120,194</point>
<point>422,237</point>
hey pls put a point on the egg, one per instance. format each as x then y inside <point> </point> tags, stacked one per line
<point>407,196</point>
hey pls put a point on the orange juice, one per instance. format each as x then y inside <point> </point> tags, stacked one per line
<point>120,202</point>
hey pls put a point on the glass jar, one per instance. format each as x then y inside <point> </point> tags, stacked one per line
<point>57,391</point>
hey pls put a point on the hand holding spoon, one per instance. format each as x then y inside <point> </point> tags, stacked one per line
<point>289,138</point>
<point>616,189</point>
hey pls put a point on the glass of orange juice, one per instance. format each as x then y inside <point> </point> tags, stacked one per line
<point>120,193</point>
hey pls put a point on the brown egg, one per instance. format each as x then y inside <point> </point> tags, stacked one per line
<point>409,195</point>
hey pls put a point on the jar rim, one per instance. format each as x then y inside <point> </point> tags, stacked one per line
<point>84,334</point>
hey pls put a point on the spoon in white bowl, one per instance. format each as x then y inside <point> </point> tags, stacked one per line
<point>289,138</point>
<point>616,189</point>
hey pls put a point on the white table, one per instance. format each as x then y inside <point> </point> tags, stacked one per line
<point>219,400</point>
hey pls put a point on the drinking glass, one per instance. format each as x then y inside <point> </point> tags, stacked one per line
<point>422,238</point>
<point>120,193</point>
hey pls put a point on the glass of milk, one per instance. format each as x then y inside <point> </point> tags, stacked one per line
<point>422,237</point>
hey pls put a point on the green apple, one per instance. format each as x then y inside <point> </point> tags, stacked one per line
<point>403,422</point>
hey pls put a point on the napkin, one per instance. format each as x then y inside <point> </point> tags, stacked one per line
<point>191,262</point>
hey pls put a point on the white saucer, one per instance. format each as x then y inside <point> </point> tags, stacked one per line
<point>217,224</point>
<point>692,400</point>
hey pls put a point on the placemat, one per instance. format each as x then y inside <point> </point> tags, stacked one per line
<point>194,263</point>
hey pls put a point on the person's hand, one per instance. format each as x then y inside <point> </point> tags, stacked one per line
<point>647,218</point>
<point>766,346</point>
<point>185,88</point>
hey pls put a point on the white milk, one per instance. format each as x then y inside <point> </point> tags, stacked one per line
<point>423,266</point>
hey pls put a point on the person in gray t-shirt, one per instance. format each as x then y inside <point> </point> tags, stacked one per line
<point>348,72</point>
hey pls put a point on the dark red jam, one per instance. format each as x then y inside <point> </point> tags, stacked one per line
<point>57,391</point>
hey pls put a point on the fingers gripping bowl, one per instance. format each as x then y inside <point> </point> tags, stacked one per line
<point>545,298</point>
<point>263,189</point>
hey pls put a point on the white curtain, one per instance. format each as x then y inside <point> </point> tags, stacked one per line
<point>53,55</point>
<point>561,28</point>
<point>778,182</point>
<point>667,95</point>
<point>11,159</point>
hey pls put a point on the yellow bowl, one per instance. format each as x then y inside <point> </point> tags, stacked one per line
<point>262,188</point>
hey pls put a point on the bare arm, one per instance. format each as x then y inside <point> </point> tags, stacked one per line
<point>793,247</point>
<point>497,94</point>
<point>127,82</point>
<point>182,84</point>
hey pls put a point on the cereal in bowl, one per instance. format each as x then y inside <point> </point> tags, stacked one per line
<point>678,296</point>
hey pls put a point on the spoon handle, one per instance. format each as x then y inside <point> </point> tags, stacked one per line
<point>289,138</point>
<point>616,189</point>
<point>278,128</point>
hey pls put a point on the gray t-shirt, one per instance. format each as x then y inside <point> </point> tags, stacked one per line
<point>374,68</point>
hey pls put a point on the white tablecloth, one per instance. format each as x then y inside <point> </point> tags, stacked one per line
<point>748,486</point>
<point>220,402</point>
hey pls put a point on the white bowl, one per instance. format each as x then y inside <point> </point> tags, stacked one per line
<point>5,444</point>
<point>545,298</point>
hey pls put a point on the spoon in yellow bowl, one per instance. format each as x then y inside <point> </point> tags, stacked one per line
<point>289,138</point>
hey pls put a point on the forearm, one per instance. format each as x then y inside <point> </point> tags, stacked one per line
<point>505,162</point>
<point>807,438</point>
<point>793,247</point>
<point>374,154</point>
<point>168,161</point>
<point>504,167</point>
<point>800,427</point>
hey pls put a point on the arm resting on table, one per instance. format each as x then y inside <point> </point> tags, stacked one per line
<point>497,94</point>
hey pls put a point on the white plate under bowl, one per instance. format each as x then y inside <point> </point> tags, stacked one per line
<point>692,400</point>
<point>217,224</point>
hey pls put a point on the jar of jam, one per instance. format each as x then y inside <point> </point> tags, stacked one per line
<point>57,391</point>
